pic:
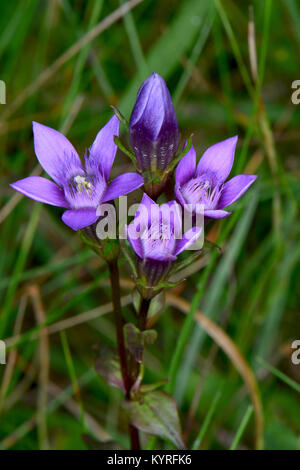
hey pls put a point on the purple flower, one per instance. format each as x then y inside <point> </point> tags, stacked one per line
<point>156,237</point>
<point>153,129</point>
<point>78,188</point>
<point>204,184</point>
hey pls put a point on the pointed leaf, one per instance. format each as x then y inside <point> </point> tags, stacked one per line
<point>146,388</point>
<point>134,341</point>
<point>149,337</point>
<point>156,413</point>
<point>108,366</point>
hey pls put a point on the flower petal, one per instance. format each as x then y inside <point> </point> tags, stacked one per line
<point>159,255</point>
<point>171,214</point>
<point>153,128</point>
<point>179,195</point>
<point>54,151</point>
<point>218,159</point>
<point>217,214</point>
<point>186,167</point>
<point>135,242</point>
<point>80,218</point>
<point>147,213</point>
<point>187,240</point>
<point>42,190</point>
<point>234,189</point>
<point>103,150</point>
<point>122,185</point>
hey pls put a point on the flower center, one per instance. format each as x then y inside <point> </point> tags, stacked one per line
<point>83,184</point>
<point>159,239</point>
<point>84,191</point>
<point>201,191</point>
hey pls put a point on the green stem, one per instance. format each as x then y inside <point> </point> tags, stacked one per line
<point>115,285</point>
<point>142,316</point>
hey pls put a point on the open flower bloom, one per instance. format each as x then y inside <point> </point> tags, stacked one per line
<point>203,186</point>
<point>78,188</point>
<point>153,128</point>
<point>156,237</point>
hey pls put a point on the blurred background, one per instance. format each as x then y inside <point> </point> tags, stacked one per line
<point>229,67</point>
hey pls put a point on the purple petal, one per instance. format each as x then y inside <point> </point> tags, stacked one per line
<point>153,129</point>
<point>171,214</point>
<point>103,150</point>
<point>148,202</point>
<point>147,212</point>
<point>159,255</point>
<point>179,195</point>
<point>135,242</point>
<point>122,185</point>
<point>234,189</point>
<point>188,239</point>
<point>54,151</point>
<point>153,110</point>
<point>80,218</point>
<point>186,167</point>
<point>216,214</point>
<point>218,159</point>
<point>42,190</point>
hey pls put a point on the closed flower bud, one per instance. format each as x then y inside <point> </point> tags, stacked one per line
<point>153,128</point>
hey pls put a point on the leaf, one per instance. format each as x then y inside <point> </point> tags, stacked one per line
<point>156,413</point>
<point>168,50</point>
<point>157,306</point>
<point>134,341</point>
<point>108,366</point>
<point>146,388</point>
<point>149,337</point>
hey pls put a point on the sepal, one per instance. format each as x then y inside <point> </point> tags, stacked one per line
<point>120,116</point>
<point>108,249</point>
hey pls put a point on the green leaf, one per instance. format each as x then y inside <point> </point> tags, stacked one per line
<point>108,366</point>
<point>149,337</point>
<point>156,413</point>
<point>172,46</point>
<point>157,306</point>
<point>146,388</point>
<point>136,339</point>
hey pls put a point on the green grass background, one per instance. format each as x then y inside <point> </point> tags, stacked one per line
<point>251,291</point>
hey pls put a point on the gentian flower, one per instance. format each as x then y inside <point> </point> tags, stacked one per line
<point>156,237</point>
<point>153,128</point>
<point>204,184</point>
<point>78,188</point>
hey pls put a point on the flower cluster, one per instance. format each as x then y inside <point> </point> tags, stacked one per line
<point>155,237</point>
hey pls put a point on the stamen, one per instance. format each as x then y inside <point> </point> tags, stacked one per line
<point>201,191</point>
<point>83,183</point>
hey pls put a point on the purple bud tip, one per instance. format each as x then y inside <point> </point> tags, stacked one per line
<point>153,128</point>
